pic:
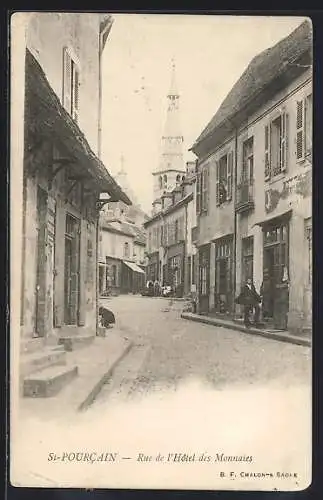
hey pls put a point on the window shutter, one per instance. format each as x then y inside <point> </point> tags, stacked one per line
<point>206,187</point>
<point>284,142</point>
<point>300,139</point>
<point>230,175</point>
<point>67,80</point>
<point>217,172</point>
<point>267,152</point>
<point>203,189</point>
<point>198,193</point>
<point>75,89</point>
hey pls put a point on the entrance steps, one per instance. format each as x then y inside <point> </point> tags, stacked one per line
<point>71,338</point>
<point>44,373</point>
<point>49,381</point>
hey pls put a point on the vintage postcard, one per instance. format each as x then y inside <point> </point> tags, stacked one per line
<point>161,239</point>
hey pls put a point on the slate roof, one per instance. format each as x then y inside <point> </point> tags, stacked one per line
<point>261,71</point>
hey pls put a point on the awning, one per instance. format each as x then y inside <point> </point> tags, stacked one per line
<point>134,267</point>
<point>47,116</point>
<point>284,216</point>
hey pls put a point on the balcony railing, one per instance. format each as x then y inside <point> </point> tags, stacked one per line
<point>245,196</point>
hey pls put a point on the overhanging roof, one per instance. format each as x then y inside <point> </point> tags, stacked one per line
<point>45,112</point>
<point>134,267</point>
<point>290,56</point>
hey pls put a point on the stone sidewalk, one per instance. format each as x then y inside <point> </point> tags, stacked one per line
<point>96,363</point>
<point>280,335</point>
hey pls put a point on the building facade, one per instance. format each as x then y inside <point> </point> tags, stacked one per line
<point>63,178</point>
<point>254,188</point>
<point>170,248</point>
<point>121,257</point>
<point>122,244</point>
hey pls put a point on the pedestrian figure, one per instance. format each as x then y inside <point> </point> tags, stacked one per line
<point>107,317</point>
<point>250,300</point>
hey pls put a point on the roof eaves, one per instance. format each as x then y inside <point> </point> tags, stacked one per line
<point>41,96</point>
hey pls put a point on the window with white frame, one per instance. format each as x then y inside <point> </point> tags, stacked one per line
<point>276,145</point>
<point>224,172</point>
<point>71,84</point>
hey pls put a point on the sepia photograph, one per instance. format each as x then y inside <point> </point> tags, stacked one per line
<point>161,251</point>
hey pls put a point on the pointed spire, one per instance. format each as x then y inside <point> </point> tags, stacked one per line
<point>173,91</point>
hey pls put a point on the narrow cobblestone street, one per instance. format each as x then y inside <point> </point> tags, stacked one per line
<point>168,351</point>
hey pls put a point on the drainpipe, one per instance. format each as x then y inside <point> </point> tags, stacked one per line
<point>185,243</point>
<point>235,217</point>
<point>97,292</point>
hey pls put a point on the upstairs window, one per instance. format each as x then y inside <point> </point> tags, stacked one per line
<point>247,161</point>
<point>276,145</point>
<point>126,250</point>
<point>303,128</point>
<point>202,190</point>
<point>71,84</point>
<point>224,171</point>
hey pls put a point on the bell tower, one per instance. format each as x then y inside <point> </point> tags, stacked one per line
<point>171,165</point>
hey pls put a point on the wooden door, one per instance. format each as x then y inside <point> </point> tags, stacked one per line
<point>40,303</point>
<point>72,270</point>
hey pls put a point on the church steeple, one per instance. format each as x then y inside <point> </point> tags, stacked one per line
<point>171,165</point>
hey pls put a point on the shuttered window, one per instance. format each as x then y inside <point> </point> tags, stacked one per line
<point>205,188</point>
<point>224,178</point>
<point>230,175</point>
<point>71,85</point>
<point>267,152</point>
<point>276,145</point>
<point>217,169</point>
<point>198,193</point>
<point>284,142</point>
<point>300,136</point>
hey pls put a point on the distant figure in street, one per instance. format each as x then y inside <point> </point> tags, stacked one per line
<point>156,288</point>
<point>250,300</point>
<point>106,316</point>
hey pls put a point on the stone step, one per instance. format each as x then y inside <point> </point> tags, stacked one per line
<point>39,360</point>
<point>28,345</point>
<point>72,342</point>
<point>48,382</point>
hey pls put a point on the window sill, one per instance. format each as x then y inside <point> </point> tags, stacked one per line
<point>276,178</point>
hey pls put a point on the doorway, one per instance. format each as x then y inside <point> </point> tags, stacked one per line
<point>275,275</point>
<point>204,278</point>
<point>40,303</point>
<point>223,275</point>
<point>72,270</point>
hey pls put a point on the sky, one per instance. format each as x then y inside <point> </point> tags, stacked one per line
<point>210,53</point>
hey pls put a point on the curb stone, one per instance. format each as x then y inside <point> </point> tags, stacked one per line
<point>90,398</point>
<point>280,336</point>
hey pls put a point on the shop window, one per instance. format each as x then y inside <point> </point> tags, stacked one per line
<point>247,258</point>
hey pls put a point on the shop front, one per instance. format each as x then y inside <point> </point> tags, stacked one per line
<point>275,286</point>
<point>204,278</point>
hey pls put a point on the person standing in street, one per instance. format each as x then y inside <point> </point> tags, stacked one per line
<point>250,300</point>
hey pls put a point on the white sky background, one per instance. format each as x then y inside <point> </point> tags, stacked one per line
<point>210,53</point>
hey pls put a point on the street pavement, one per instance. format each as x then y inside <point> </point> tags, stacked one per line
<point>184,388</point>
<point>168,351</point>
